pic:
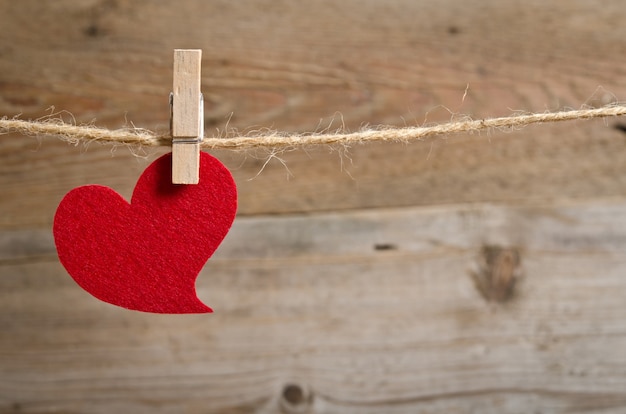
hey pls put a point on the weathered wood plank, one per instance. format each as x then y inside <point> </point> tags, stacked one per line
<point>321,64</point>
<point>576,162</point>
<point>362,312</point>
<point>368,311</point>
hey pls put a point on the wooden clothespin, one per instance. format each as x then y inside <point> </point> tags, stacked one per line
<point>187,117</point>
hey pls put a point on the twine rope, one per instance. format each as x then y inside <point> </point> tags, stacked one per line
<point>75,134</point>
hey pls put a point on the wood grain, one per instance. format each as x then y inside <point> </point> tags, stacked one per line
<point>186,93</point>
<point>315,302</point>
<point>187,121</point>
<point>355,279</point>
<point>315,66</point>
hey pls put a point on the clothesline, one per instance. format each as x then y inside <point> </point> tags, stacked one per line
<point>272,139</point>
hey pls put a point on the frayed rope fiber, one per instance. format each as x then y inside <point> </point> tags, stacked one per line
<point>142,137</point>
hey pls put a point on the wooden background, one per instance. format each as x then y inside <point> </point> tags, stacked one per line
<point>469,274</point>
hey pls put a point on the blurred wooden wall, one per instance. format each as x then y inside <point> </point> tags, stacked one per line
<point>469,274</point>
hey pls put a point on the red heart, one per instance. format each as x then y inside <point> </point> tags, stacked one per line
<point>146,255</point>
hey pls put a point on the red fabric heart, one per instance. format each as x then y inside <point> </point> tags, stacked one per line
<point>146,255</point>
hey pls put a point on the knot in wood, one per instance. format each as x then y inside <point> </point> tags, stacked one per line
<point>295,399</point>
<point>498,271</point>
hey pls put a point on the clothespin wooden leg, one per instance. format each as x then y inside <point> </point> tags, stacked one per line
<point>187,121</point>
